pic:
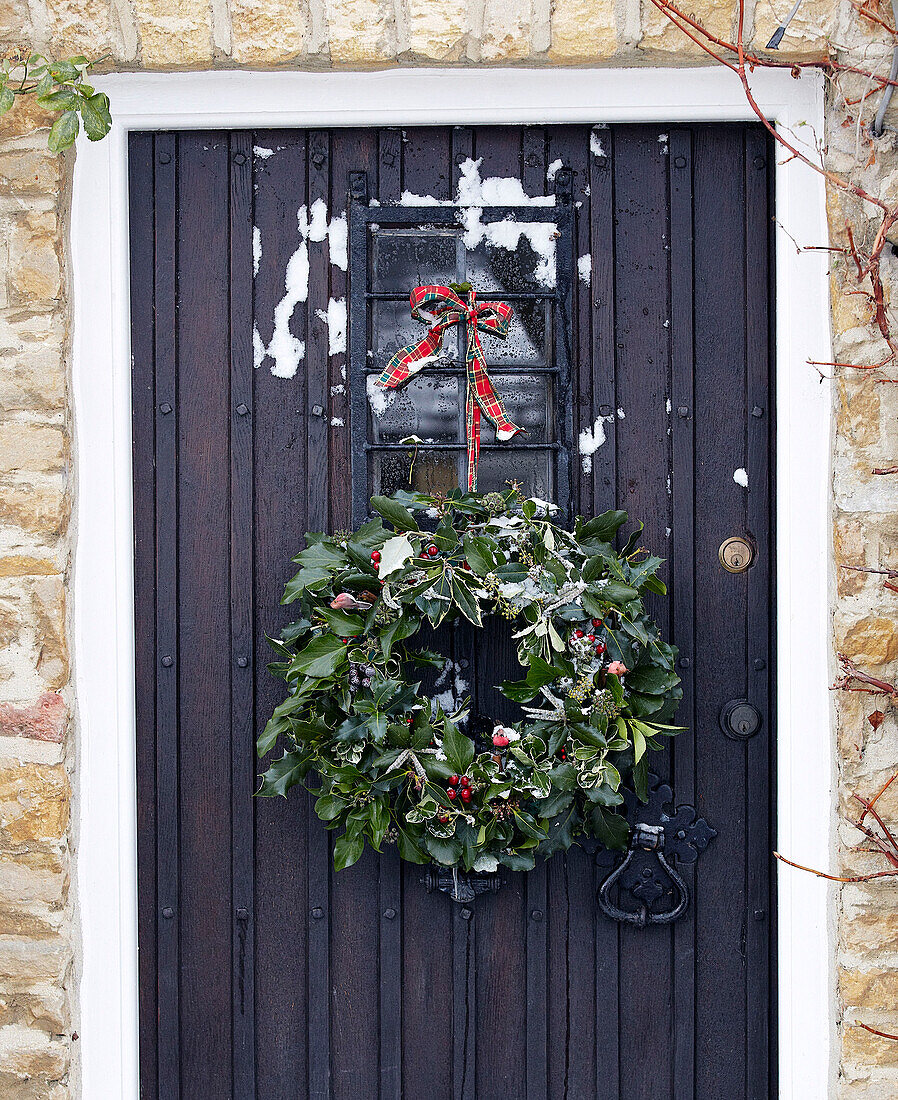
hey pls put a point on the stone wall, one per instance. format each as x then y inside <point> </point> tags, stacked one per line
<point>38,742</point>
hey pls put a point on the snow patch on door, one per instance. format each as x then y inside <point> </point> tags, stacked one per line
<point>335,319</point>
<point>590,440</point>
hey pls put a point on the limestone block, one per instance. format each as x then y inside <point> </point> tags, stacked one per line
<point>507,30</point>
<point>45,1006</point>
<point>79,27</point>
<point>360,32</point>
<point>869,988</point>
<point>34,277</point>
<point>32,379</point>
<point>24,964</point>
<point>37,504</point>
<point>583,30</point>
<point>34,803</point>
<point>808,33</point>
<point>30,171</point>
<point>15,22</point>
<point>437,29</point>
<point>29,1053</point>
<point>661,35</point>
<point>33,877</point>
<point>849,541</point>
<point>31,447</point>
<point>857,415</point>
<point>267,34</point>
<point>174,34</point>
<point>872,640</point>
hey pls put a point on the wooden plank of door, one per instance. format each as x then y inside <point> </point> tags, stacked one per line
<point>243,761</point>
<point>570,909</point>
<point>280,467</point>
<point>500,951</point>
<point>141,162</point>
<point>354,955</point>
<point>600,485</point>
<point>762,747</point>
<point>203,660</point>
<point>167,634</point>
<point>642,292</point>
<point>426,973</point>
<point>682,544</point>
<point>721,650</point>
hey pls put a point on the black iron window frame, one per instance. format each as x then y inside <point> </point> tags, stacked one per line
<point>361,295</point>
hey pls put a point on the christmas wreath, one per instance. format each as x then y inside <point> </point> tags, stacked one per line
<point>388,764</point>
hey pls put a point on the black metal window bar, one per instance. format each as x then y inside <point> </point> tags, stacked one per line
<point>431,239</point>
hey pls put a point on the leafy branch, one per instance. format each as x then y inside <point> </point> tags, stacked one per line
<point>57,86</point>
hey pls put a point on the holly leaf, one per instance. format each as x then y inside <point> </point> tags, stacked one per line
<point>610,828</point>
<point>395,553</point>
<point>394,513</point>
<point>285,773</point>
<point>459,749</point>
<point>465,600</point>
<point>603,528</point>
<point>478,554</point>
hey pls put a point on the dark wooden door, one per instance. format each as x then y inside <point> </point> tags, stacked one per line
<point>263,973</point>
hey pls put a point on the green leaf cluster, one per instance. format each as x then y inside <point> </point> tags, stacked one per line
<point>385,761</point>
<point>57,86</point>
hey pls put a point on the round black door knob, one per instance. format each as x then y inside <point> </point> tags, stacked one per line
<point>740,719</point>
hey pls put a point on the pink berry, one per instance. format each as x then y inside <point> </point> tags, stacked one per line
<point>500,741</point>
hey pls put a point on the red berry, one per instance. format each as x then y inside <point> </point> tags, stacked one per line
<point>578,633</point>
<point>444,819</point>
<point>500,741</point>
<point>590,638</point>
<point>466,794</point>
<point>453,780</point>
<point>410,719</point>
<point>432,550</point>
<point>563,755</point>
<point>451,793</point>
<point>465,782</point>
<point>600,648</point>
<point>375,556</point>
<point>597,623</point>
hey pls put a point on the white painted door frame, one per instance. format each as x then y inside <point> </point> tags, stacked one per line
<point>103,574</point>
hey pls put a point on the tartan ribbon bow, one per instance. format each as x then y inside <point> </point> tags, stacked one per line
<point>441,307</point>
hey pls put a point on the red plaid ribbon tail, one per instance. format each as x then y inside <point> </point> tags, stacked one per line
<point>441,307</point>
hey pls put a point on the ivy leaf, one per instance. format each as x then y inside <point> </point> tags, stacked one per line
<point>478,554</point>
<point>408,849</point>
<point>321,657</point>
<point>446,851</point>
<point>652,680</point>
<point>63,131</point>
<point>347,850</point>
<point>329,806</point>
<point>7,99</point>
<point>394,513</point>
<point>63,71</point>
<point>95,116</point>
<point>342,623</point>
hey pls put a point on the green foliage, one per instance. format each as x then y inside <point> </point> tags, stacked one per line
<point>57,86</point>
<point>598,694</point>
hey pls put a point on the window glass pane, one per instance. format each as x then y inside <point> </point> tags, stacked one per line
<point>406,258</point>
<point>531,469</point>
<point>529,338</point>
<point>430,406</point>
<point>510,255</point>
<point>393,328</point>
<point>428,472</point>
<point>528,401</point>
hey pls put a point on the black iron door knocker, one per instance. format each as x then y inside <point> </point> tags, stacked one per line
<point>660,836</point>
